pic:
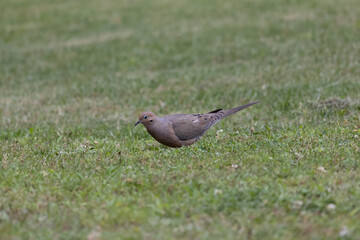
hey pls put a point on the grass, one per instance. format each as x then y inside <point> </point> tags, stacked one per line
<point>74,76</point>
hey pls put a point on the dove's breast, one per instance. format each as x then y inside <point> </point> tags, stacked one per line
<point>164,133</point>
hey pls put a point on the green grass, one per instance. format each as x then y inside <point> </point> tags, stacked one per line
<point>74,75</point>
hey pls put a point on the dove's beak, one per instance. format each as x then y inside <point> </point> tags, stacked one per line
<point>137,123</point>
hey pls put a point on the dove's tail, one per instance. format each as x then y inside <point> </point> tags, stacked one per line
<point>235,110</point>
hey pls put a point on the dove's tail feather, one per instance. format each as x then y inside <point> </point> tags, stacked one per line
<point>235,110</point>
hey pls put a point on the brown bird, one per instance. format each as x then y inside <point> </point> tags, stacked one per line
<point>179,130</point>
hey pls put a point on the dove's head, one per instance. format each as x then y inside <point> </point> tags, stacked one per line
<point>146,119</point>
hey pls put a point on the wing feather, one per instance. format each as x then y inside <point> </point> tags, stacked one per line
<point>190,126</point>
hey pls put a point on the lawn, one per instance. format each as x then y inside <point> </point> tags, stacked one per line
<point>75,75</point>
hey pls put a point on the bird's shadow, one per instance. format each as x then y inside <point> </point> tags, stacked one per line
<point>156,146</point>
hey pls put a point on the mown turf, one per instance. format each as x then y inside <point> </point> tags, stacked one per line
<point>74,76</point>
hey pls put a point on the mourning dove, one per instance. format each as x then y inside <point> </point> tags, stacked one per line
<point>179,130</point>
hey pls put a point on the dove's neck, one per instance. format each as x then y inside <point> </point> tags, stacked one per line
<point>155,128</point>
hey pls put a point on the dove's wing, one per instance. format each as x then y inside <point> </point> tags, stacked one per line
<point>190,126</point>
<point>193,126</point>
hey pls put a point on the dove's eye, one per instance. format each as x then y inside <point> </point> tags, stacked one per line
<point>145,117</point>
